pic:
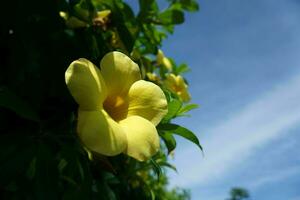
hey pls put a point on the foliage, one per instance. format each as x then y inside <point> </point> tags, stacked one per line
<point>41,156</point>
<point>238,193</point>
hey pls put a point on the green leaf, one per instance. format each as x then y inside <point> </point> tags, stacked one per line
<point>183,132</point>
<point>190,5</point>
<point>182,69</point>
<point>147,8</point>
<point>152,194</point>
<point>174,107</point>
<point>171,16</point>
<point>166,164</point>
<point>169,140</point>
<point>14,103</point>
<point>187,108</point>
<point>156,168</point>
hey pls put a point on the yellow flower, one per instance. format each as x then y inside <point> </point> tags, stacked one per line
<point>177,85</point>
<point>118,111</point>
<point>101,18</point>
<point>152,77</point>
<point>161,59</point>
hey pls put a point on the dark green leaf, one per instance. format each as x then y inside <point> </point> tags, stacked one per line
<point>166,164</point>
<point>171,16</point>
<point>156,168</point>
<point>190,5</point>
<point>169,140</point>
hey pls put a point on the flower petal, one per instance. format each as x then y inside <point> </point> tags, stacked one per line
<point>100,133</point>
<point>148,101</point>
<point>119,73</point>
<point>142,137</point>
<point>177,85</point>
<point>86,84</point>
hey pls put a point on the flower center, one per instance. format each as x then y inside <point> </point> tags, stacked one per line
<point>116,107</point>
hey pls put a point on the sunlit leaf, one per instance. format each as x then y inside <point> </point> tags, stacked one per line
<point>171,16</point>
<point>187,108</point>
<point>183,132</point>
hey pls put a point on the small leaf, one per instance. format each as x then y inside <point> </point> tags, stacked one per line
<point>187,108</point>
<point>171,16</point>
<point>183,132</point>
<point>182,69</point>
<point>166,164</point>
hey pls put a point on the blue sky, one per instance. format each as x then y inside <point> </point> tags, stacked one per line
<point>245,63</point>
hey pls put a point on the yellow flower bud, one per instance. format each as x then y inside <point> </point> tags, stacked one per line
<point>72,22</point>
<point>161,59</point>
<point>63,15</point>
<point>177,85</point>
<point>152,77</point>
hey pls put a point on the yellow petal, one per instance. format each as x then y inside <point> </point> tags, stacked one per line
<point>183,89</point>
<point>159,57</point>
<point>63,15</point>
<point>119,73</point>
<point>148,101</point>
<point>86,84</point>
<point>167,63</point>
<point>142,137</point>
<point>100,133</point>
<point>103,13</point>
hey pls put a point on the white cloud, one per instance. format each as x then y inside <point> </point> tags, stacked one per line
<point>233,141</point>
<point>275,176</point>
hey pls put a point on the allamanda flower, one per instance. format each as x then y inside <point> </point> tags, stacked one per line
<point>177,85</point>
<point>117,111</point>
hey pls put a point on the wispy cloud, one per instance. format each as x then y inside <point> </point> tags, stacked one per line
<point>273,177</point>
<point>233,141</point>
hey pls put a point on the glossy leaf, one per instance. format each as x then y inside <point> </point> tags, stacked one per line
<point>183,132</point>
